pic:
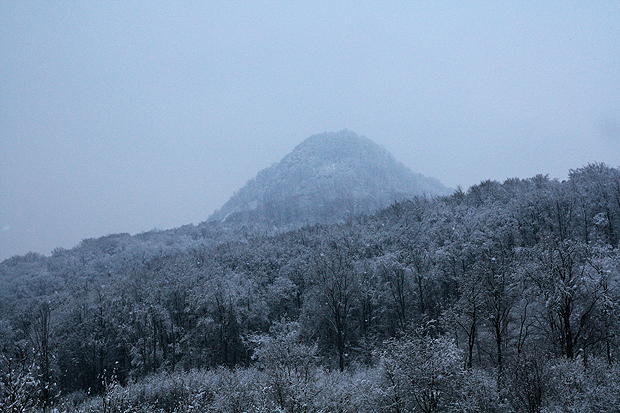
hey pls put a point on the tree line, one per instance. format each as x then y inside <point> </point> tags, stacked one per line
<point>508,287</point>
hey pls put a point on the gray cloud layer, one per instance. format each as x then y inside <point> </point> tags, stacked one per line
<point>127,116</point>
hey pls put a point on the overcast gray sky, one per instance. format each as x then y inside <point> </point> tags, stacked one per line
<point>128,116</point>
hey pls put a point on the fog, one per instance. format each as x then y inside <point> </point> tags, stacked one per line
<point>129,116</point>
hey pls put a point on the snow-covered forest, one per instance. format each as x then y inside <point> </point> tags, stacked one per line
<point>501,298</point>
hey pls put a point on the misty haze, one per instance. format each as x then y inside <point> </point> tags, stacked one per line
<point>295,207</point>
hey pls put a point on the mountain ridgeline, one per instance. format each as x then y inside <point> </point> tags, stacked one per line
<point>327,178</point>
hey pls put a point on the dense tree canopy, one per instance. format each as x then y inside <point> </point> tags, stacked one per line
<point>508,284</point>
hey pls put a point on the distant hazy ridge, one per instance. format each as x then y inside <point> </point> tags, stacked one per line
<point>327,178</point>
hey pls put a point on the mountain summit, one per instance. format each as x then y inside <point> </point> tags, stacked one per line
<point>326,178</point>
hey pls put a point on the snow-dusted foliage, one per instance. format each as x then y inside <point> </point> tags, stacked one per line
<point>504,298</point>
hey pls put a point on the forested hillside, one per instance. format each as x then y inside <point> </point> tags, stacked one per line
<point>501,298</point>
<point>328,178</point>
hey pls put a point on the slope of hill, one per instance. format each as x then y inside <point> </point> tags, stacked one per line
<point>119,317</point>
<point>326,178</point>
